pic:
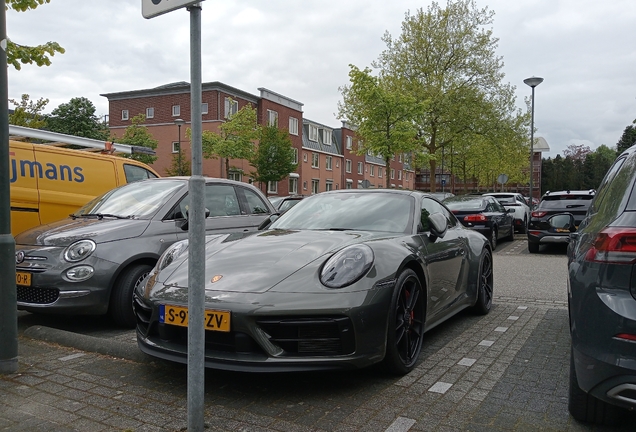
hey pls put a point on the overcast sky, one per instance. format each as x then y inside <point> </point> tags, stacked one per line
<point>585,50</point>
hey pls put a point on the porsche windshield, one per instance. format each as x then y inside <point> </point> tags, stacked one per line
<point>389,212</point>
<point>138,199</point>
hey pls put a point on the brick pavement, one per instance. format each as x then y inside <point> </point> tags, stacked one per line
<point>507,371</point>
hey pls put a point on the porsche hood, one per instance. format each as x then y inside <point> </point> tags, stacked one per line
<point>257,263</point>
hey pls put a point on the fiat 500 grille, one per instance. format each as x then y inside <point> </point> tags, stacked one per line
<point>37,295</point>
<point>322,336</point>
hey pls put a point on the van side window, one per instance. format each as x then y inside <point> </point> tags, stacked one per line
<point>134,173</point>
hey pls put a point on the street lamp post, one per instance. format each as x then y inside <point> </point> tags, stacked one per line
<point>532,82</point>
<point>179,122</point>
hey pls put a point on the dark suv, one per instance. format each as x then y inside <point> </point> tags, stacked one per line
<point>602,299</point>
<point>541,231</point>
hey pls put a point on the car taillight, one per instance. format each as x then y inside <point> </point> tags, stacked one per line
<point>626,336</point>
<point>475,218</point>
<point>614,245</point>
<point>539,214</point>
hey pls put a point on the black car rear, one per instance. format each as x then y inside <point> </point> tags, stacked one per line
<point>602,300</point>
<point>484,214</point>
<point>540,231</point>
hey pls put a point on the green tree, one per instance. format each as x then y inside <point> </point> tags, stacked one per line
<point>138,135</point>
<point>28,113</point>
<point>177,167</point>
<point>596,165</point>
<point>628,138</point>
<point>273,158</point>
<point>77,117</point>
<point>23,54</point>
<point>445,57</point>
<point>383,115</point>
<point>235,139</point>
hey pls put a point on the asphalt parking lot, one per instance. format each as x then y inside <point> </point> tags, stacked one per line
<point>506,371</point>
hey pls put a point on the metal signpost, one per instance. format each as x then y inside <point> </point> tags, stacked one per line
<point>8,299</point>
<point>196,231</point>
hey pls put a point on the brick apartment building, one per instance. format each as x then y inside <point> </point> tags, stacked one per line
<point>326,157</point>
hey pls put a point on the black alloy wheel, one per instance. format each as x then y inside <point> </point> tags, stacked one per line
<point>406,324</point>
<point>121,301</point>
<point>485,287</point>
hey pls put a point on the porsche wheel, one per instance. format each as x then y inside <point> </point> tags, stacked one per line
<point>406,324</point>
<point>485,288</point>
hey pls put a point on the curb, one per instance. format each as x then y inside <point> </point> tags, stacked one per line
<point>87,343</point>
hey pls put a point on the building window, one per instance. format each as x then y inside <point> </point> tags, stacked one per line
<point>329,185</point>
<point>272,187</point>
<point>272,118</point>
<point>399,174</point>
<point>150,113</point>
<point>392,173</point>
<point>360,168</point>
<point>315,186</point>
<point>176,110</point>
<point>304,185</point>
<point>380,172</point>
<point>359,184</point>
<point>231,107</point>
<point>349,184</point>
<point>293,125</point>
<point>295,150</point>
<point>349,143</point>
<point>175,147</point>
<point>304,157</point>
<point>369,152</point>
<point>348,165</point>
<point>313,133</point>
<point>293,185</point>
<point>328,163</point>
<point>235,175</point>
<point>372,172</point>
<point>124,114</point>
<point>315,160</point>
<point>400,158</point>
<point>326,136</point>
<point>204,108</point>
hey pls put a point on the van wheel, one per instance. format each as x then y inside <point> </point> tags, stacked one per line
<point>121,308</point>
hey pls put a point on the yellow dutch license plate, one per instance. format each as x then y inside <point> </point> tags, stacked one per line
<point>177,315</point>
<point>23,278</point>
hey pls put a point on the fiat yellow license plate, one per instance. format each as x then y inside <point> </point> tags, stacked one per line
<point>177,315</point>
<point>23,278</point>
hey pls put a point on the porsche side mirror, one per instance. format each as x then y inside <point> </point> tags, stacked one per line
<point>438,224</point>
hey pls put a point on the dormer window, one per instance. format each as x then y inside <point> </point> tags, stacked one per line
<point>313,133</point>
<point>326,136</point>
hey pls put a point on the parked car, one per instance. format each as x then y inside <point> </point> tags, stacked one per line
<point>483,214</point>
<point>602,299</point>
<point>343,279</point>
<point>541,231</point>
<point>90,262</point>
<point>516,202</point>
<point>284,203</point>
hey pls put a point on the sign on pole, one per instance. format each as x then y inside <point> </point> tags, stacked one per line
<point>152,8</point>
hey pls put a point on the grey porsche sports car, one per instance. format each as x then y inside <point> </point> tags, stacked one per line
<point>344,279</point>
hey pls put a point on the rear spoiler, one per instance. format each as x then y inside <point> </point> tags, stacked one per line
<point>89,143</point>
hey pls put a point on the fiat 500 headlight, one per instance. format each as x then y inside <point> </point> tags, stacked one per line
<point>79,250</point>
<point>171,254</point>
<point>346,266</point>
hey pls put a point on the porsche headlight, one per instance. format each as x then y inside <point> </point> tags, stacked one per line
<point>171,254</point>
<point>346,266</point>
<point>79,250</point>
